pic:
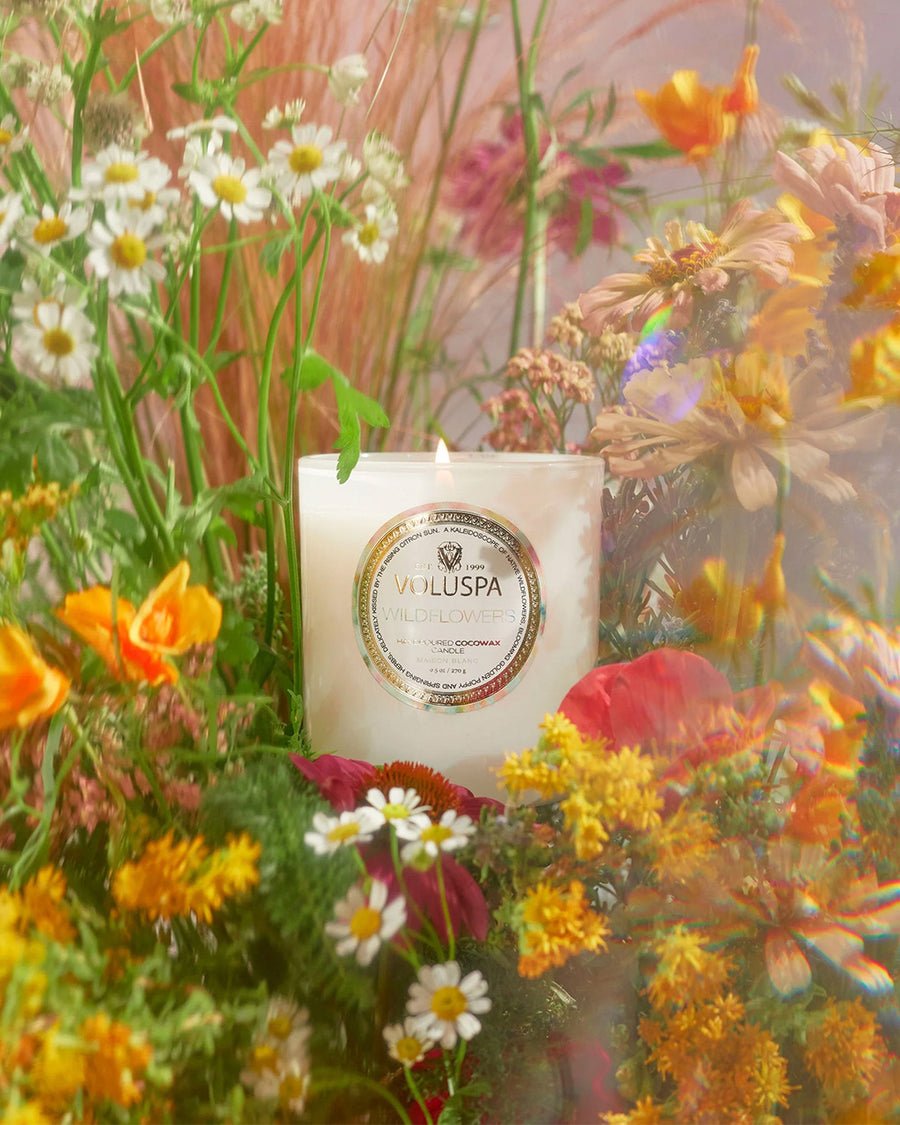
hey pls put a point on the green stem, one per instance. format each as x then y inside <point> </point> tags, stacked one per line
<point>525,71</point>
<point>81,96</point>
<point>399,357</point>
<point>322,1080</point>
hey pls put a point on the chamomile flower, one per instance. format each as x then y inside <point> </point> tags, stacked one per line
<point>445,1005</point>
<point>399,804</point>
<point>121,252</point>
<point>452,831</point>
<point>334,832</point>
<point>157,204</point>
<point>305,163</point>
<point>371,239</point>
<point>12,137</point>
<point>118,175</point>
<point>283,1080</point>
<point>278,118</point>
<point>57,342</point>
<point>218,124</point>
<point>364,923</point>
<point>224,181</point>
<point>383,162</point>
<point>406,1043</point>
<point>51,228</point>
<point>346,78</point>
<point>252,12</point>
<point>10,211</point>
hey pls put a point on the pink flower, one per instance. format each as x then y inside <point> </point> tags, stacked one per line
<point>466,904</point>
<point>487,185</point>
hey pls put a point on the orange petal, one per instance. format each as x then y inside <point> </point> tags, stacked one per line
<point>744,94</point>
<point>789,970</point>
<point>29,688</point>
<point>176,616</point>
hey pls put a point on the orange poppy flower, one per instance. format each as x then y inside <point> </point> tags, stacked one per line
<point>29,688</point>
<point>133,642</point>
<point>695,118</point>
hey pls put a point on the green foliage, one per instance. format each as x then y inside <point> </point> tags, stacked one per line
<point>298,889</point>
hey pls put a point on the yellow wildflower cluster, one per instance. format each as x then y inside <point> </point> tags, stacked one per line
<point>845,1052</point>
<point>22,516</point>
<point>115,1055</point>
<point>645,1112</point>
<point>185,877</point>
<point>724,1067</point>
<point>559,924</point>
<point>38,909</point>
<point>875,356</point>
<point>602,789</point>
<point>681,846</point>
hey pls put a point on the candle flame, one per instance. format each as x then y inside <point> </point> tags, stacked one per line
<point>442,453</point>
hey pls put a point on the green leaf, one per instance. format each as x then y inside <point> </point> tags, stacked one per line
<point>315,369</point>
<point>652,150</point>
<point>188,91</point>
<point>585,227</point>
<point>273,251</point>
<point>334,213</point>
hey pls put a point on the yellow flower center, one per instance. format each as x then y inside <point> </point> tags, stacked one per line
<point>394,812</point>
<point>279,1027</point>
<point>5,136</point>
<point>58,342</point>
<point>343,832</point>
<point>121,173</point>
<point>128,251</point>
<point>50,230</point>
<point>264,1057</point>
<point>683,264</point>
<point>436,833</point>
<point>305,158</point>
<point>365,923</point>
<point>229,188</point>
<point>368,234</point>
<point>144,204</point>
<point>408,1049</point>
<point>448,1003</point>
<point>292,1086</point>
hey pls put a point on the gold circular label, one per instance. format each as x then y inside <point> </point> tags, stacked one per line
<point>448,605</point>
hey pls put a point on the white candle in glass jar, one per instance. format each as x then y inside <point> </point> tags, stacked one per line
<point>447,607</point>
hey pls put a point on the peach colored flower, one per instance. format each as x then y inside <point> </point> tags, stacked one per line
<point>134,642</point>
<point>843,181</point>
<point>756,411</point>
<point>29,688</point>
<point>693,261</point>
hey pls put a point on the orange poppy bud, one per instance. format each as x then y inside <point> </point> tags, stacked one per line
<point>29,688</point>
<point>743,97</point>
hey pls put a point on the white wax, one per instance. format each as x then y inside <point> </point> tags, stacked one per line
<point>553,501</point>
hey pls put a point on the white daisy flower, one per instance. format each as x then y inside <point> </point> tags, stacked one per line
<point>371,240</point>
<point>399,804</point>
<point>346,78</point>
<point>57,342</point>
<point>364,923</point>
<point>252,12</point>
<point>169,12</point>
<point>118,175</point>
<point>446,1007</point>
<point>305,163</point>
<point>383,162</point>
<point>333,832</point>
<point>12,137</point>
<point>122,248</point>
<point>10,213</point>
<point>286,1028</point>
<point>157,204</point>
<point>218,124</point>
<point>405,1043</point>
<point>277,118</point>
<point>51,228</point>
<point>451,832</point>
<point>351,169</point>
<point>282,1080</point>
<point>224,181</point>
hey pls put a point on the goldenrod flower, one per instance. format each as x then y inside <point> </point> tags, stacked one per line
<point>114,1057</point>
<point>178,879</point>
<point>58,1071</point>
<point>558,924</point>
<point>29,688</point>
<point>845,1051</point>
<point>135,642</point>
<point>42,904</point>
